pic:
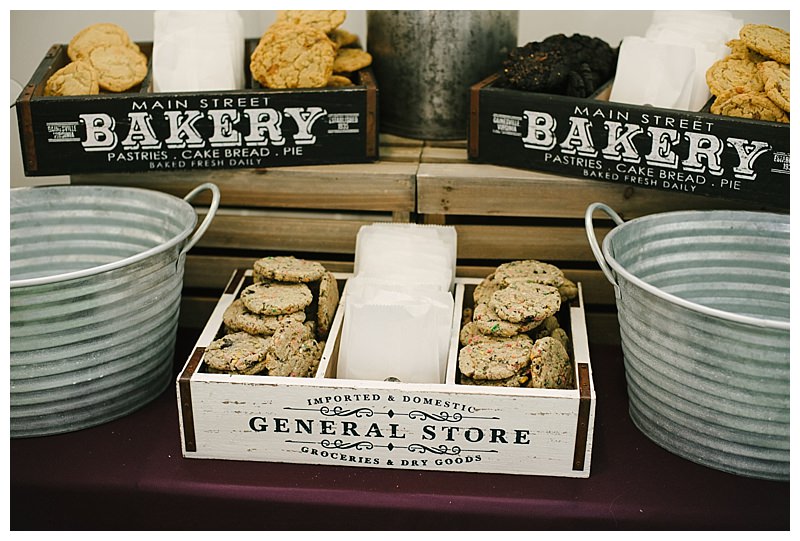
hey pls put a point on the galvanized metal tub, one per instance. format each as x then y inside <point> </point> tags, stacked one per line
<point>96,278</point>
<point>703,306</point>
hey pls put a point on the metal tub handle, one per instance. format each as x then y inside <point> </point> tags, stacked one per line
<point>595,246</point>
<point>212,210</point>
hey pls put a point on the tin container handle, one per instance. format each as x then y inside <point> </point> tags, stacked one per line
<point>598,253</point>
<point>212,210</point>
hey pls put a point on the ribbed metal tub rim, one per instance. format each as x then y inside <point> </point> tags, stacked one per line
<point>140,256</point>
<point>638,282</point>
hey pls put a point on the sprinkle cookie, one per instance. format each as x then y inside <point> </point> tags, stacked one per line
<point>551,367</point>
<point>488,322</point>
<point>526,302</point>
<point>529,270</point>
<point>483,291</point>
<point>471,335</point>
<point>494,360</point>
<point>292,351</point>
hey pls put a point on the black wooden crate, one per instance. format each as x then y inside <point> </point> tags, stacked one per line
<point>689,152</point>
<point>131,131</point>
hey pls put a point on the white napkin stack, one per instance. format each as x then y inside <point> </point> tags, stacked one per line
<point>667,66</point>
<point>198,51</point>
<point>399,304</point>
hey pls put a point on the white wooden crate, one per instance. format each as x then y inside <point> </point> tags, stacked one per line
<point>324,420</point>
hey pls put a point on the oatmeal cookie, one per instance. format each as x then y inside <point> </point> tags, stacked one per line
<point>98,35</point>
<point>275,298</point>
<point>776,83</point>
<point>494,360</point>
<point>287,269</point>
<point>551,367</point>
<point>768,40</point>
<point>350,60</point>
<point>731,74</point>
<point>526,302</point>
<point>75,79</point>
<point>529,270</point>
<point>238,353</point>
<point>119,68</point>
<point>325,20</point>
<point>238,318</point>
<point>293,56</point>
<point>755,105</point>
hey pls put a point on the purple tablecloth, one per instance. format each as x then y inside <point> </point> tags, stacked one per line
<point>129,474</point>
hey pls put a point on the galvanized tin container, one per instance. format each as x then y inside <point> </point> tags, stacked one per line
<point>96,277</point>
<point>425,62</point>
<point>703,307</point>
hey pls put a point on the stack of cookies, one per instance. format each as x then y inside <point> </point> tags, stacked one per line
<point>307,49</point>
<point>512,337</point>
<point>103,57</point>
<point>279,324</point>
<point>753,80</point>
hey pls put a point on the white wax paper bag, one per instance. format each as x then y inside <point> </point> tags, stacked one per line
<point>391,330</point>
<point>197,51</point>
<point>656,74</point>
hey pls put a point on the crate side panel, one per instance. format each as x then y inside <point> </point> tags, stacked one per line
<point>177,131</point>
<point>385,427</point>
<point>658,149</point>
